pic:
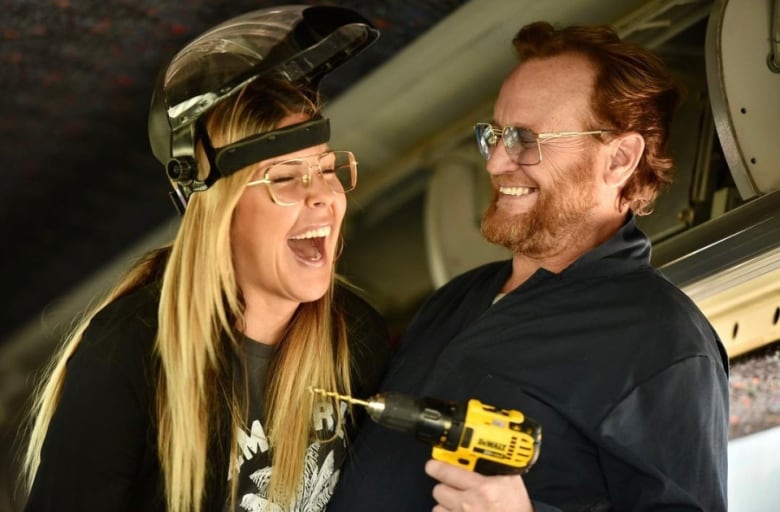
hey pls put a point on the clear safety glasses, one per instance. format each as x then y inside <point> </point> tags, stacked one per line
<point>524,146</point>
<point>288,181</point>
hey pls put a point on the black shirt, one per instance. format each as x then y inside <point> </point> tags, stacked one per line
<point>100,449</point>
<point>625,375</point>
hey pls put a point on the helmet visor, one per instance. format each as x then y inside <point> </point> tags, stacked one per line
<point>299,42</point>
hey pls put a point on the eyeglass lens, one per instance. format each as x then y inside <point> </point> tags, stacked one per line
<point>520,143</point>
<point>289,180</point>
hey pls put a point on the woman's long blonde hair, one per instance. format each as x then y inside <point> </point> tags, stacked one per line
<point>200,314</point>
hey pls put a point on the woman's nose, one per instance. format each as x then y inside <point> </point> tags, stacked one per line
<point>317,189</point>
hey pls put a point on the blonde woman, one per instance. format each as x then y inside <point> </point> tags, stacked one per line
<point>187,388</point>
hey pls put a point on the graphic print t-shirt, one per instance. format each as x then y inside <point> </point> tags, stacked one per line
<point>322,459</point>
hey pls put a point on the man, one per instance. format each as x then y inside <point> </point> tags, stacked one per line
<point>625,375</point>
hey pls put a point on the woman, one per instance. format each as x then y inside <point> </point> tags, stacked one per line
<point>187,388</point>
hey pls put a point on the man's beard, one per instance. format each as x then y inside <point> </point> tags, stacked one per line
<point>558,218</point>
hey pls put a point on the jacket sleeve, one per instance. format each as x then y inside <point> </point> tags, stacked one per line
<point>369,342</point>
<point>666,442</point>
<point>369,347</point>
<point>99,433</point>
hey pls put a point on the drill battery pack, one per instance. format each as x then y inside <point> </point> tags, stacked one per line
<point>489,440</point>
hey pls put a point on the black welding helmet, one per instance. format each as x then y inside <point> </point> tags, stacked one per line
<point>296,42</point>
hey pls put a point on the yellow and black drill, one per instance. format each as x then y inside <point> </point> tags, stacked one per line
<point>472,435</point>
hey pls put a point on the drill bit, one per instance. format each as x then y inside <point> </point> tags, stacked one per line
<point>344,398</point>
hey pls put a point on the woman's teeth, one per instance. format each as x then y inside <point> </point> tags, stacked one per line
<point>313,233</point>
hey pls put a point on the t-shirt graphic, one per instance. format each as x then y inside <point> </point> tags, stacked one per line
<point>320,468</point>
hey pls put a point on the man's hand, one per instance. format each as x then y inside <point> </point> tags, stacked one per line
<point>465,491</point>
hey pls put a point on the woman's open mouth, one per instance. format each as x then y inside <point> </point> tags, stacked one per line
<point>309,246</point>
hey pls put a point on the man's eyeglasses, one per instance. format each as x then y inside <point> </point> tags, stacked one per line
<point>522,145</point>
<point>288,181</point>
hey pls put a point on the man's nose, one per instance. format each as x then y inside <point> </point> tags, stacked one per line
<point>499,161</point>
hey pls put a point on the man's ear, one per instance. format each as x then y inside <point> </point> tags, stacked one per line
<point>625,152</point>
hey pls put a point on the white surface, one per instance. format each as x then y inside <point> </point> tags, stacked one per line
<point>744,93</point>
<point>754,472</point>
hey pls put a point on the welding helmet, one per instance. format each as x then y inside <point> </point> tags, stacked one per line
<point>296,43</point>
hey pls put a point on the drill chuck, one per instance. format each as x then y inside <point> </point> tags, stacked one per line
<point>433,421</point>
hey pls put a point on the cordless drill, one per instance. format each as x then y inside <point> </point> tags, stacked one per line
<point>472,435</point>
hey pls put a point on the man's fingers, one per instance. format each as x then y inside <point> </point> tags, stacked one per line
<point>454,476</point>
<point>446,497</point>
<point>462,490</point>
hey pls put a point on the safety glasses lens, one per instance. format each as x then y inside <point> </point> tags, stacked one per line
<point>486,139</point>
<point>520,143</point>
<point>290,180</point>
